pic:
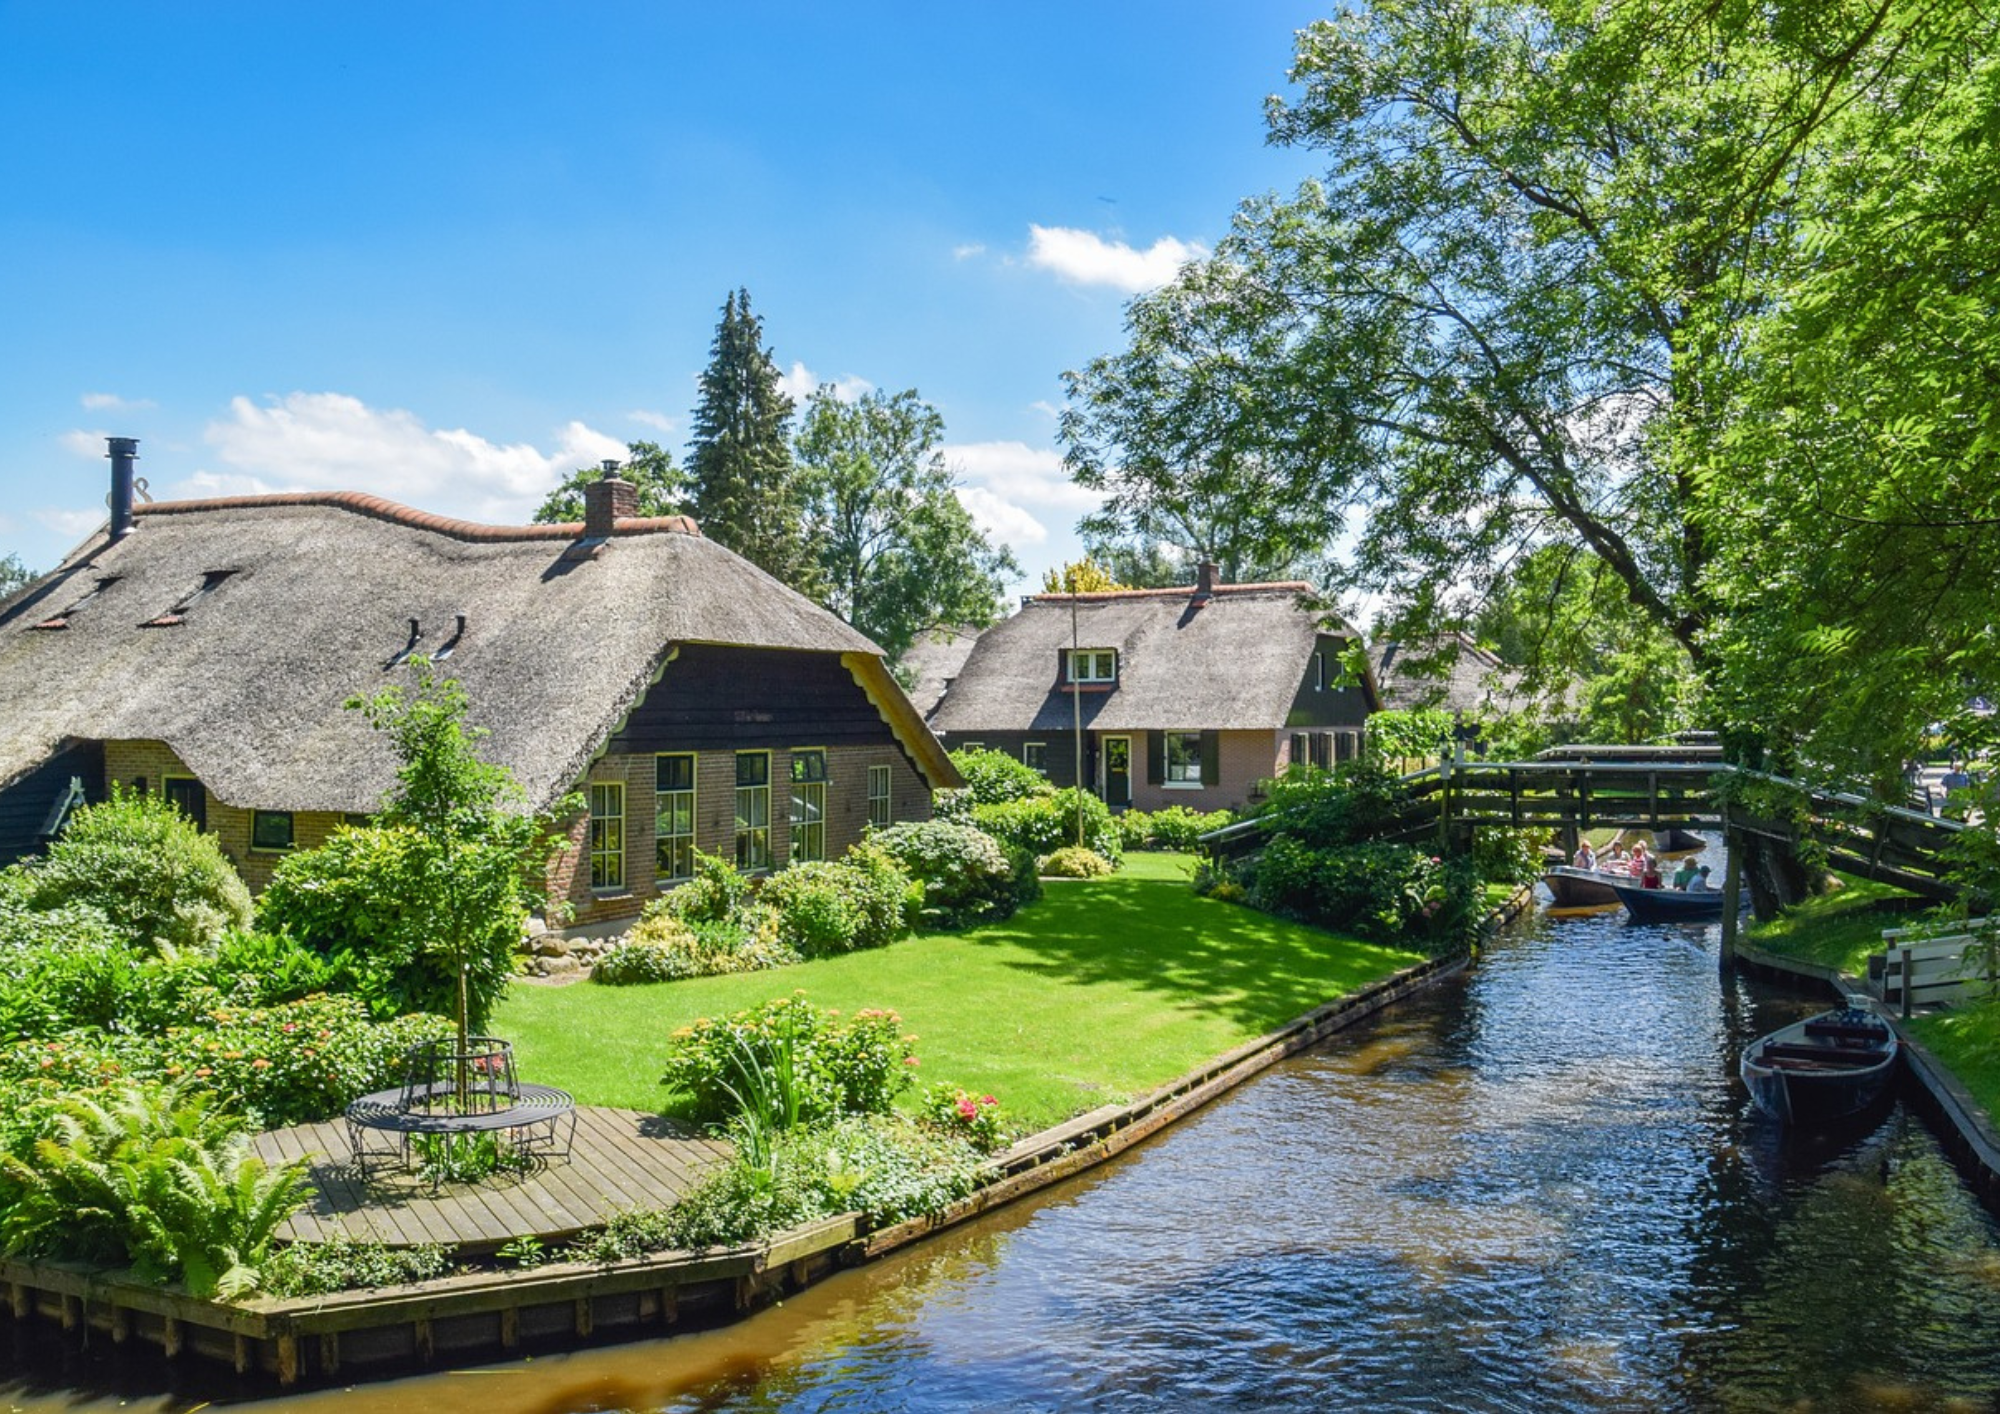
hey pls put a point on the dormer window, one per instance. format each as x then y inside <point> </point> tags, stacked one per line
<point>211,580</point>
<point>1093,665</point>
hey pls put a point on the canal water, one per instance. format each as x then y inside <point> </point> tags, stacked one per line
<point>1536,1188</point>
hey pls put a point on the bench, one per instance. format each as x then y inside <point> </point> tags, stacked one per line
<point>448,1092</point>
<point>1917,970</point>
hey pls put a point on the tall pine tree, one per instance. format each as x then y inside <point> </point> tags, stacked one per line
<point>746,492</point>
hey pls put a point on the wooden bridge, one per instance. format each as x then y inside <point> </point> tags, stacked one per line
<point>1587,788</point>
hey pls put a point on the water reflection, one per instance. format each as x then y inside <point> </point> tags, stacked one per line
<point>1538,1188</point>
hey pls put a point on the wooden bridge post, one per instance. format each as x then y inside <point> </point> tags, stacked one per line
<point>1732,893</point>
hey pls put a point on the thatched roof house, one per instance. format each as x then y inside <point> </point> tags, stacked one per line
<point>218,641</point>
<point>1186,696</point>
<point>932,661</point>
<point>1450,672</point>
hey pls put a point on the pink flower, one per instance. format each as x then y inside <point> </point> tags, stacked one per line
<point>260,1064</point>
<point>909,1060</point>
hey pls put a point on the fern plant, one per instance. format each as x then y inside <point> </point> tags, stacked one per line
<point>150,1177</point>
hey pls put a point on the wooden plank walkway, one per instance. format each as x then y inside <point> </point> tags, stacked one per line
<point>620,1159</point>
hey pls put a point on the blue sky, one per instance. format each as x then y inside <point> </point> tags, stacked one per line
<point>445,252</point>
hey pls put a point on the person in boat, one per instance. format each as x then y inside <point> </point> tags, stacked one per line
<point>1699,883</point>
<point>1651,878</point>
<point>1586,857</point>
<point>1612,861</point>
<point>1640,861</point>
<point>1687,873</point>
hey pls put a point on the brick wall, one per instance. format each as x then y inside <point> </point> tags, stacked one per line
<point>715,820</point>
<point>126,762</point>
<point>1244,758</point>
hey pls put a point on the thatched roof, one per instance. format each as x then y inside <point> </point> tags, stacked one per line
<point>561,638</point>
<point>1231,661</point>
<point>932,661</point>
<point>1449,671</point>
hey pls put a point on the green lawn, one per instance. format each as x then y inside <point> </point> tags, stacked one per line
<point>1102,990</point>
<point>1838,929</point>
<point>1966,1040</point>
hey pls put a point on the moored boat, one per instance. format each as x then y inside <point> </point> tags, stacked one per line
<point>1667,905</point>
<point>1570,887</point>
<point>1824,1069</point>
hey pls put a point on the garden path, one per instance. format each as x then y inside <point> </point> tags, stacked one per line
<point>620,1159</point>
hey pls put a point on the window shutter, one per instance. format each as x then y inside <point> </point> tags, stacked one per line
<point>1211,759</point>
<point>1156,757</point>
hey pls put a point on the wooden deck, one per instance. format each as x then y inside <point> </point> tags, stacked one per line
<point>620,1159</point>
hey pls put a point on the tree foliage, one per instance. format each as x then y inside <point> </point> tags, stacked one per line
<point>895,551</point>
<point>1084,576</point>
<point>662,486</point>
<point>1696,293</point>
<point>13,574</point>
<point>425,905</point>
<point>746,492</point>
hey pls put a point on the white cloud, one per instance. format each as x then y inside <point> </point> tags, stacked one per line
<point>1004,522</point>
<point>111,402</point>
<point>331,441</point>
<point>84,443</point>
<point>658,420</point>
<point>967,251</point>
<point>801,383</point>
<point>1045,408</point>
<point>1086,258</point>
<point>71,525</point>
<point>1008,487</point>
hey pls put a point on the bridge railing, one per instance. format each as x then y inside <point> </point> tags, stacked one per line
<point>1870,838</point>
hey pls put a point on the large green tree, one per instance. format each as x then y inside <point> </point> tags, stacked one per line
<point>661,485</point>
<point>746,490</point>
<point>1855,494</point>
<point>1509,314</point>
<point>13,574</point>
<point>895,550</point>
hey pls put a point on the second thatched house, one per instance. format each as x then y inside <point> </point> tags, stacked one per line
<point>1171,696</point>
<point>204,650</point>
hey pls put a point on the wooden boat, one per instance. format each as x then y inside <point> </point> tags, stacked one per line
<point>1667,905</point>
<point>1571,887</point>
<point>1824,1069</point>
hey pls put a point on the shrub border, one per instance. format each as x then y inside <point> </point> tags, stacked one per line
<point>567,1304</point>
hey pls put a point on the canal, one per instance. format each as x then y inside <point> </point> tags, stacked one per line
<point>1536,1188</point>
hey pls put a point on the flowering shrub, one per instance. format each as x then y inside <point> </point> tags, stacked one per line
<point>1074,862</point>
<point>858,1066</point>
<point>144,865</point>
<point>994,776</point>
<point>967,876</point>
<point>717,890</point>
<point>1043,824</point>
<point>880,1165</point>
<point>663,947</point>
<point>858,901</point>
<point>295,1063</point>
<point>1177,827</point>
<point>964,1115</point>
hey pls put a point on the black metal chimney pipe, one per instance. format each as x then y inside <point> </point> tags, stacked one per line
<point>124,451</point>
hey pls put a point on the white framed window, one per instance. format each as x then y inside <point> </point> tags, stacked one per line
<point>1319,671</point>
<point>1093,665</point>
<point>673,815</point>
<point>753,810</point>
<point>1035,756</point>
<point>878,797</point>
<point>808,805</point>
<point>1183,759</point>
<point>607,835</point>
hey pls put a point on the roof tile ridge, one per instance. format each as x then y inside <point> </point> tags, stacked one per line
<point>1179,591</point>
<point>382,508</point>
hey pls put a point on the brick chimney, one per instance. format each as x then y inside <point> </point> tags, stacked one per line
<point>123,451</point>
<point>1204,586</point>
<point>608,501</point>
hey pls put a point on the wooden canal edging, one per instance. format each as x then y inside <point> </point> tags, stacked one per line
<point>496,1313</point>
<point>1960,1121</point>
